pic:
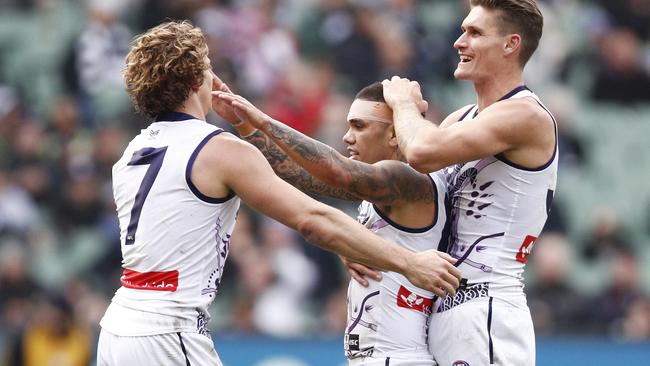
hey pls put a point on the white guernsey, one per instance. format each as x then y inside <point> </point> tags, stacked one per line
<point>172,261</point>
<point>390,317</point>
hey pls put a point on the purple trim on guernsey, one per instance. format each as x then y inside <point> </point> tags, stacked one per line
<point>188,173</point>
<point>467,112</point>
<point>514,91</point>
<point>508,95</point>
<point>489,328</point>
<point>173,117</point>
<point>505,160</point>
<point>363,303</point>
<point>500,156</point>
<point>387,361</point>
<point>549,200</point>
<point>413,230</point>
<point>187,360</point>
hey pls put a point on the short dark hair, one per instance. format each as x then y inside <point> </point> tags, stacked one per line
<point>373,92</point>
<point>518,16</point>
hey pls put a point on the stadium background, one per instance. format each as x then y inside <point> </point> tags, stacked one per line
<point>65,118</point>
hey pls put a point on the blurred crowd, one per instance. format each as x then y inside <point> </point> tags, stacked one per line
<point>65,119</point>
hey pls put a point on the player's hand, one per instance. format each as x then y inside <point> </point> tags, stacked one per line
<point>399,90</point>
<point>434,271</point>
<point>223,109</point>
<point>359,272</point>
<point>243,109</point>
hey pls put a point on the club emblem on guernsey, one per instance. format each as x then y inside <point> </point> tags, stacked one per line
<point>526,248</point>
<point>410,300</point>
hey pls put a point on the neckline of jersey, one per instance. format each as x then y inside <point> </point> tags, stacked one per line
<point>507,96</point>
<point>173,117</point>
<point>514,91</point>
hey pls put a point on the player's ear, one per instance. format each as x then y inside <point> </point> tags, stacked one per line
<point>512,45</point>
<point>392,141</point>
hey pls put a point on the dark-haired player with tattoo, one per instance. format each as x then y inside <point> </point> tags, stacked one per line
<point>388,317</point>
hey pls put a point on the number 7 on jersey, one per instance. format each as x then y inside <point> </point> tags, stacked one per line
<point>148,156</point>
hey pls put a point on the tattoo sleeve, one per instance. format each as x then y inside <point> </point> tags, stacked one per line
<point>293,173</point>
<point>385,182</point>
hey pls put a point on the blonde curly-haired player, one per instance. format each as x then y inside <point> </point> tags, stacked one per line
<point>177,189</point>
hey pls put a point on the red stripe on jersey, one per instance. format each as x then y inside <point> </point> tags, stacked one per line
<point>155,281</point>
<point>410,300</point>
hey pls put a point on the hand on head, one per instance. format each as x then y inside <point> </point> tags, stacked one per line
<point>399,90</point>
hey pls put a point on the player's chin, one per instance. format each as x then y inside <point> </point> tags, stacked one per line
<point>460,74</point>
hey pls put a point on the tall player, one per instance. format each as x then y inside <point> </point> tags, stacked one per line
<point>387,318</point>
<point>177,190</point>
<point>502,154</point>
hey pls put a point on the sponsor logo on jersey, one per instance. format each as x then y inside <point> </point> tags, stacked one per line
<point>153,134</point>
<point>411,300</point>
<point>155,281</point>
<point>351,342</point>
<point>526,248</point>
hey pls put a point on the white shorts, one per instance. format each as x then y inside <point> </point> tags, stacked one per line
<point>170,349</point>
<point>483,331</point>
<point>389,361</point>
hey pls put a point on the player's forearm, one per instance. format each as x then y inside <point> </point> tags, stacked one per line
<point>290,171</point>
<point>317,158</point>
<point>332,230</point>
<point>414,134</point>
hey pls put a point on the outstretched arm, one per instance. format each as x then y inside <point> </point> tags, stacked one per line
<point>293,173</point>
<point>283,166</point>
<point>386,182</point>
<point>251,177</point>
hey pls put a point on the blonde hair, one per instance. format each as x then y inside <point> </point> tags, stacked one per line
<point>163,66</point>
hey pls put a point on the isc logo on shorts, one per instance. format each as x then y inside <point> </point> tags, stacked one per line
<point>351,342</point>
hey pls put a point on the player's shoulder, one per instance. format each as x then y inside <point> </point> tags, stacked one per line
<point>225,149</point>
<point>526,108</point>
<point>524,115</point>
<point>456,115</point>
<point>223,142</point>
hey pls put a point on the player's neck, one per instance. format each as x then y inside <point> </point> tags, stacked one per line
<point>491,90</point>
<point>193,107</point>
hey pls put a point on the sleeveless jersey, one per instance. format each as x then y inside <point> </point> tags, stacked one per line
<point>496,211</point>
<point>174,239</point>
<point>389,318</point>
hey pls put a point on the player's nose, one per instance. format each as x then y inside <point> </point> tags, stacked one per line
<point>348,138</point>
<point>460,42</point>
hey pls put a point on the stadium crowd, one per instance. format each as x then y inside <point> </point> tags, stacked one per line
<point>65,118</point>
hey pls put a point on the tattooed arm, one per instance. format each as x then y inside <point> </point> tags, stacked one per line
<point>293,173</point>
<point>385,182</point>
